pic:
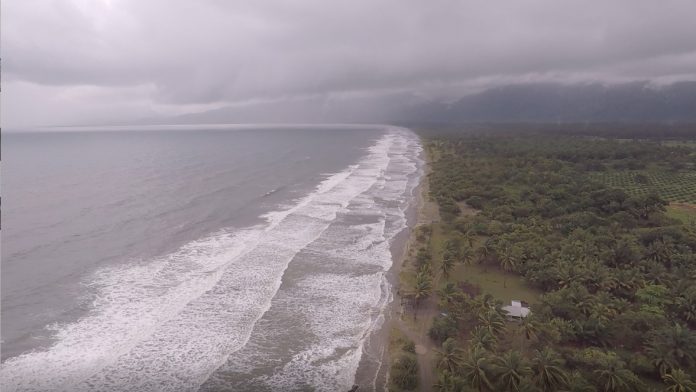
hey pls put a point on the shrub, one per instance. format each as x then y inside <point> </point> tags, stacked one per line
<point>404,373</point>
<point>443,328</point>
<point>409,347</point>
<point>475,202</point>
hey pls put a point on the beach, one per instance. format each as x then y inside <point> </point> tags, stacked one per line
<point>373,373</point>
<point>400,324</point>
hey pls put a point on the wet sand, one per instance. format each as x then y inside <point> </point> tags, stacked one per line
<point>373,371</point>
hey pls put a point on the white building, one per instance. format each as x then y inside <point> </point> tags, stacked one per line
<point>516,310</point>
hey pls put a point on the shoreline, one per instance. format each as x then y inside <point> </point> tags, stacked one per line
<point>376,347</point>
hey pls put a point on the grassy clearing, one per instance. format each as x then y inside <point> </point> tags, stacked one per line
<point>686,213</point>
<point>672,186</point>
<point>399,343</point>
<point>501,285</point>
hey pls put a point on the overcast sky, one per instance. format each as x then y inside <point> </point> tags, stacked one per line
<point>92,61</point>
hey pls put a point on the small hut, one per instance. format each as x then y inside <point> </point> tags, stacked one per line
<point>516,311</point>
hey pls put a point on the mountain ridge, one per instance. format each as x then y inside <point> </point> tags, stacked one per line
<point>528,102</point>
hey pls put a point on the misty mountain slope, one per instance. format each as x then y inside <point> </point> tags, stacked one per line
<point>572,103</point>
<point>540,102</point>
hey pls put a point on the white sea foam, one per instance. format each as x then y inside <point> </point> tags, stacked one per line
<point>168,324</point>
<point>339,308</point>
<point>341,302</point>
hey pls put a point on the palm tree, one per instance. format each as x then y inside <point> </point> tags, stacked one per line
<point>483,338</point>
<point>677,342</point>
<point>466,255</point>
<point>447,264</point>
<point>469,235</point>
<point>508,257</point>
<point>485,251</point>
<point>584,302</point>
<point>530,329</point>
<point>687,306</point>
<point>616,378</point>
<point>425,269</point>
<point>450,356</point>
<point>661,358</point>
<point>628,281</point>
<point>404,372</point>
<point>421,290</point>
<point>599,278</point>
<point>492,320</point>
<point>510,369</point>
<point>548,373</point>
<point>576,383</point>
<point>661,251</point>
<point>447,293</point>
<point>475,369</point>
<point>678,381</point>
<point>453,245</point>
<point>601,313</point>
<point>446,382</point>
<point>483,302</point>
<point>526,385</point>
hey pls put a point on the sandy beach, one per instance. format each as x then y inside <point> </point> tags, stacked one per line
<point>373,372</point>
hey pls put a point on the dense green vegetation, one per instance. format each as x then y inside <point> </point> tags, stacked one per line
<point>615,273</point>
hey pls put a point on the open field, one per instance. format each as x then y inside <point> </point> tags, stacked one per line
<point>490,279</point>
<point>683,212</point>
<point>503,286</point>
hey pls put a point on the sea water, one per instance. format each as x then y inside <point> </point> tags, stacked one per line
<point>198,258</point>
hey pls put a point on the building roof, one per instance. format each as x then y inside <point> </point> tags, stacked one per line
<point>516,310</point>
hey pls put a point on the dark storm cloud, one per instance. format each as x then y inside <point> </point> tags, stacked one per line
<point>161,56</point>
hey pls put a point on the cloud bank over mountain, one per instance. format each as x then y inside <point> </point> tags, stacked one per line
<point>87,61</point>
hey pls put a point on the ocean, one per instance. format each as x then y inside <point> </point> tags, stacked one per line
<point>211,258</point>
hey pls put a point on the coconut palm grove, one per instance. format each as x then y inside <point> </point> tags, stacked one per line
<point>608,271</point>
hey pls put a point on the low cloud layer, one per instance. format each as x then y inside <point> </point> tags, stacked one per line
<point>90,61</point>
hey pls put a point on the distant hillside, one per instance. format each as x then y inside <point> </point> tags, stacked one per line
<point>633,102</point>
<point>538,102</point>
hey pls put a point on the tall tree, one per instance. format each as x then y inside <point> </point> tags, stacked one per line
<point>614,377</point>
<point>447,264</point>
<point>508,257</point>
<point>548,371</point>
<point>447,294</point>
<point>491,320</point>
<point>576,383</point>
<point>677,343</point>
<point>450,356</point>
<point>485,251</point>
<point>475,369</point>
<point>422,290</point>
<point>466,255</point>
<point>678,381</point>
<point>529,328</point>
<point>483,338</point>
<point>510,368</point>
